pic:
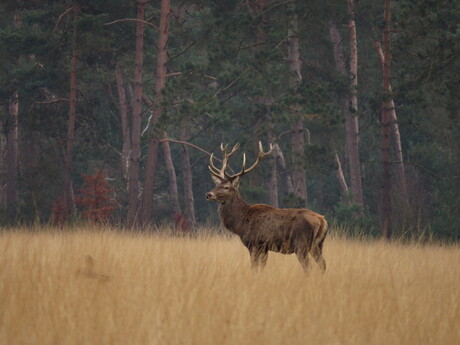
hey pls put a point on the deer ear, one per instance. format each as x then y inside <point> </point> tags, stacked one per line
<point>216,179</point>
<point>236,182</point>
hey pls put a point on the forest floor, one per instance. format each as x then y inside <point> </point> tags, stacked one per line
<point>93,286</point>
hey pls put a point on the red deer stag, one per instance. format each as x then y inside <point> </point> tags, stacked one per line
<point>261,227</point>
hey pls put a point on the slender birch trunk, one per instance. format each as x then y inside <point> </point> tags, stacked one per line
<point>173,191</point>
<point>340,176</point>
<point>396,136</point>
<point>123,107</point>
<point>283,171</point>
<point>134,164</point>
<point>350,104</point>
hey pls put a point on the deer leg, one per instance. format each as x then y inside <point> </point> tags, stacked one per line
<point>258,257</point>
<point>318,256</point>
<point>317,253</point>
<point>302,256</point>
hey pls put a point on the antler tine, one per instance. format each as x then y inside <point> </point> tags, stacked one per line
<point>213,169</point>
<point>225,156</point>
<point>235,148</point>
<point>260,156</point>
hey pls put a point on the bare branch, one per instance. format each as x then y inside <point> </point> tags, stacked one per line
<point>253,45</point>
<point>60,18</point>
<point>147,100</point>
<point>188,144</point>
<point>132,20</point>
<point>54,101</point>
<point>174,74</point>
<point>243,74</point>
<point>182,52</point>
<point>275,6</point>
<point>150,104</point>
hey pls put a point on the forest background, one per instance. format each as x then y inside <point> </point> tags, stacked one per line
<point>110,110</point>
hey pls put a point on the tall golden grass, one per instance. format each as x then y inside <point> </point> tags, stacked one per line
<point>92,286</point>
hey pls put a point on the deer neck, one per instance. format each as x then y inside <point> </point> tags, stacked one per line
<point>232,212</point>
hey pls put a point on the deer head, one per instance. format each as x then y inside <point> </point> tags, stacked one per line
<point>226,184</point>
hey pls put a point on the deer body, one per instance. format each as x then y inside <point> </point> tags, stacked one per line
<point>263,228</point>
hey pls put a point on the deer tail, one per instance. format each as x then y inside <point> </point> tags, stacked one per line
<point>322,232</point>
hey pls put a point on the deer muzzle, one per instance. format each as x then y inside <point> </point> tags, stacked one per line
<point>210,196</point>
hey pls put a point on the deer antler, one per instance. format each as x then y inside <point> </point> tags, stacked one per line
<point>220,173</point>
<point>260,156</point>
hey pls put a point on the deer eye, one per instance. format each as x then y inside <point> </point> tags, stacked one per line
<point>226,187</point>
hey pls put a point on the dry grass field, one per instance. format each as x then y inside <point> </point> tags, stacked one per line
<point>92,286</point>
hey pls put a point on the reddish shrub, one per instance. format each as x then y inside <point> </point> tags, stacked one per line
<point>96,198</point>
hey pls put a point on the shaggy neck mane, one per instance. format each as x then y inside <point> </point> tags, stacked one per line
<point>233,211</point>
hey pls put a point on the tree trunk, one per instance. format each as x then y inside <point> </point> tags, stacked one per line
<point>283,171</point>
<point>189,201</point>
<point>396,136</point>
<point>273,184</point>
<point>149,183</point>
<point>340,176</point>
<point>173,191</point>
<point>68,159</point>
<point>386,126</point>
<point>12,157</point>
<point>298,171</point>
<point>188,187</point>
<point>295,64</point>
<point>12,137</point>
<point>134,165</point>
<point>162,59</point>
<point>337,49</point>
<point>349,105</point>
<point>126,136</point>
<point>352,119</point>
<point>298,137</point>
<point>257,11</point>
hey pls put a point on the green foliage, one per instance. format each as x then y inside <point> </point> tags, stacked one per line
<point>292,201</point>
<point>352,217</point>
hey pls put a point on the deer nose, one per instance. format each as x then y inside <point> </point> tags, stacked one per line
<point>209,195</point>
